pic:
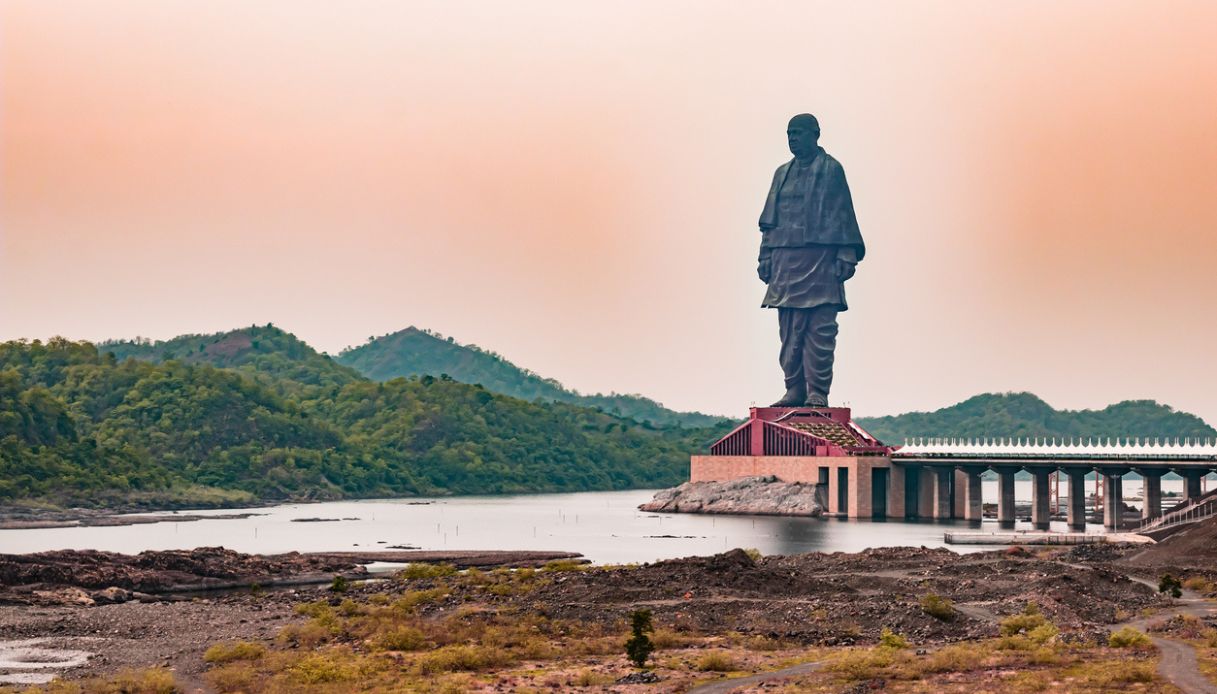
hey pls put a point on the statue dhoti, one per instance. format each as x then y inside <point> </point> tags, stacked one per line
<point>810,244</point>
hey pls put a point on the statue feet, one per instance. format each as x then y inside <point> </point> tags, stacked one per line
<point>816,400</point>
<point>794,397</point>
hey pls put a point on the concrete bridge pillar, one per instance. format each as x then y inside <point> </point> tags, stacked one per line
<point>1040,506</point>
<point>1005,496</point>
<point>1191,487</point>
<point>1151,493</point>
<point>895,493</point>
<point>973,500</point>
<point>942,493</point>
<point>959,484</point>
<point>1076,511</point>
<point>925,492</point>
<point>1113,498</point>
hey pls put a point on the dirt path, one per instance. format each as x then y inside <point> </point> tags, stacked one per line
<point>729,685</point>
<point>1178,663</point>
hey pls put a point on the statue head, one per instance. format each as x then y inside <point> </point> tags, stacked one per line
<point>803,135</point>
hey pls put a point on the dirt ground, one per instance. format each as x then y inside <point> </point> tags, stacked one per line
<point>806,601</point>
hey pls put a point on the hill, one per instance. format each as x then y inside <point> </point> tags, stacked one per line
<point>255,350</point>
<point>1024,414</point>
<point>414,352</point>
<point>80,426</point>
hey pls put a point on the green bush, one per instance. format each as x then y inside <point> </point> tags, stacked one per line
<point>1171,585</point>
<point>890,639</point>
<point>938,607</point>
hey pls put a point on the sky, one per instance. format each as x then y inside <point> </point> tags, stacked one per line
<point>576,186</point>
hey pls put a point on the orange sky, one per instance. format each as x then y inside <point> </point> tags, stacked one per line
<point>576,186</point>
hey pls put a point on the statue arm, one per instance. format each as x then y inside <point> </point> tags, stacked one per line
<point>847,260</point>
<point>764,265</point>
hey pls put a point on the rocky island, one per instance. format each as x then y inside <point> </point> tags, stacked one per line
<point>764,495</point>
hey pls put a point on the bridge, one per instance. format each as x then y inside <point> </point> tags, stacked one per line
<point>940,478</point>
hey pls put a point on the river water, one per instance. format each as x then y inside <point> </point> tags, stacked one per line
<point>606,527</point>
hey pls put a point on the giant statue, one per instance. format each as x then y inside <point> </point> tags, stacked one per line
<point>810,244</point>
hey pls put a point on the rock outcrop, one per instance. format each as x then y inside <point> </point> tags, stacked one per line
<point>762,495</point>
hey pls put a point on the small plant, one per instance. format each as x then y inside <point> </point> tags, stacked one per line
<point>716,661</point>
<point>890,639</point>
<point>1128,637</point>
<point>639,647</point>
<point>754,554</point>
<point>938,607</point>
<point>339,584</point>
<point>1170,585</point>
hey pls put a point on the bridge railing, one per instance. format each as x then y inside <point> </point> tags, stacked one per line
<point>1189,511</point>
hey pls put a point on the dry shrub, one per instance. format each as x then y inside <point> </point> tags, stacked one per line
<point>413,598</point>
<point>462,659</point>
<point>1128,637</point>
<point>417,571</point>
<point>565,565</point>
<point>308,635</point>
<point>717,661</point>
<point>866,664</point>
<point>960,657</point>
<point>1021,623</point>
<point>150,681</point>
<point>235,650</point>
<point>237,677</point>
<point>402,638</point>
<point>324,667</point>
<point>663,637</point>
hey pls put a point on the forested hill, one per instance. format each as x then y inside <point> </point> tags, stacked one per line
<point>414,352</point>
<point>1023,414</point>
<point>79,426</point>
<point>255,350</point>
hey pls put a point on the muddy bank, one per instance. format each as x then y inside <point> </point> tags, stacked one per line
<point>87,577</point>
<point>761,495</point>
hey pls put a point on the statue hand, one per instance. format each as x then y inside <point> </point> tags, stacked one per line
<point>764,270</point>
<point>845,270</point>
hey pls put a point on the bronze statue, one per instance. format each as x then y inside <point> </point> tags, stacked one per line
<point>810,244</point>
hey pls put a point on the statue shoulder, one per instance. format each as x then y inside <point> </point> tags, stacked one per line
<point>831,163</point>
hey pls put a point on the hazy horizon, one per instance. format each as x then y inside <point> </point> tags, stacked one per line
<point>576,187</point>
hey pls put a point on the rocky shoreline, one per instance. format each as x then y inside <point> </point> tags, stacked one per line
<point>761,495</point>
<point>87,577</point>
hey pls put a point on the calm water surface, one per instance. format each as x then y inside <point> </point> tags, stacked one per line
<point>606,527</point>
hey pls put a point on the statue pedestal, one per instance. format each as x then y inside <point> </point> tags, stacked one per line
<point>821,445</point>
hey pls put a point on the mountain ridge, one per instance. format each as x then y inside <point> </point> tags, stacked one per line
<point>417,352</point>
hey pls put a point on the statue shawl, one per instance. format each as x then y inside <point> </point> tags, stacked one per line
<point>829,208</point>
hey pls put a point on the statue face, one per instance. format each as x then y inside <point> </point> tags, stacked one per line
<point>802,139</point>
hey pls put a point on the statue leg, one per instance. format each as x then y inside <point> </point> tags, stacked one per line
<point>792,326</point>
<point>819,346</point>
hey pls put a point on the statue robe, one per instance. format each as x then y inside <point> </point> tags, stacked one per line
<point>807,226</point>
